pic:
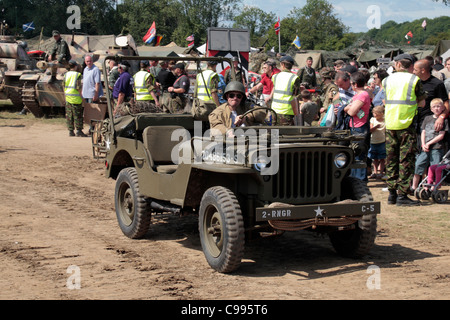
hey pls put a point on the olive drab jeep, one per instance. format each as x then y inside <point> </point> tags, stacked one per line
<point>263,179</point>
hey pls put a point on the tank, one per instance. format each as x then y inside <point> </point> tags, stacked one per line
<point>44,96</point>
<point>14,62</point>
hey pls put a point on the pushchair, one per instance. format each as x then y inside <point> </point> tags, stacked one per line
<point>424,192</point>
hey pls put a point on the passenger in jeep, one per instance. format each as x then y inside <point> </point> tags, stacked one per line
<point>228,116</point>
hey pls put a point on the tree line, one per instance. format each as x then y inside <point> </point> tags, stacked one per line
<point>315,22</point>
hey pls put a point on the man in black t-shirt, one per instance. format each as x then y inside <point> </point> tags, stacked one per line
<point>434,88</point>
<point>179,90</point>
<point>165,79</point>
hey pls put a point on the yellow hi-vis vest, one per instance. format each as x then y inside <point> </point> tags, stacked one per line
<point>401,100</point>
<point>73,96</point>
<point>140,79</point>
<point>283,84</point>
<point>203,87</point>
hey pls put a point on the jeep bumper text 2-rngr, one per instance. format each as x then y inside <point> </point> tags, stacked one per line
<point>263,179</point>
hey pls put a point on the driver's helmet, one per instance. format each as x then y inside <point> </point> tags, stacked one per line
<point>235,86</point>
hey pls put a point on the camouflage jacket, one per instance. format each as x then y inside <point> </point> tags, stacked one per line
<point>61,49</point>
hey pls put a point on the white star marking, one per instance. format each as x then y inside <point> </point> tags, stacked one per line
<point>319,212</point>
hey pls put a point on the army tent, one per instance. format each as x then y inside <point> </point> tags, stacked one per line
<point>318,63</point>
<point>441,48</point>
<point>369,58</point>
<point>170,50</point>
<point>321,58</point>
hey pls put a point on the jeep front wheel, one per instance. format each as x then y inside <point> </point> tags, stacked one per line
<point>221,229</point>
<point>132,210</point>
<point>356,242</point>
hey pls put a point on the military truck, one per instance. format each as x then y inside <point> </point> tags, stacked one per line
<point>264,179</point>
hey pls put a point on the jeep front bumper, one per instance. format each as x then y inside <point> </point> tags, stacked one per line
<point>282,211</point>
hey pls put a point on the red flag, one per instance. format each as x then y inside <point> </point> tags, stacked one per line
<point>409,34</point>
<point>158,40</point>
<point>151,34</point>
<point>277,26</point>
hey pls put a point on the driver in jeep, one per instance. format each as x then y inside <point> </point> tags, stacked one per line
<point>229,115</point>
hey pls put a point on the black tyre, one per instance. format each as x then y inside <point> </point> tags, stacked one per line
<point>356,242</point>
<point>440,196</point>
<point>132,210</point>
<point>221,229</point>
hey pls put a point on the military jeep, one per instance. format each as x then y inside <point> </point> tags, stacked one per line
<point>264,180</point>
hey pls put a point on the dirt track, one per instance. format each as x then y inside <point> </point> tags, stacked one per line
<point>57,211</point>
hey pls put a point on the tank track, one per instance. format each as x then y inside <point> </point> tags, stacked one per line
<point>14,92</point>
<point>29,99</point>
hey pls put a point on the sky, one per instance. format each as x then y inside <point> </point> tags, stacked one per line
<point>360,15</point>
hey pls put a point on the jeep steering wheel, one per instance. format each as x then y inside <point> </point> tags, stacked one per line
<point>272,122</point>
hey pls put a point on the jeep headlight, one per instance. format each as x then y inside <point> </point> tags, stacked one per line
<point>261,163</point>
<point>341,160</point>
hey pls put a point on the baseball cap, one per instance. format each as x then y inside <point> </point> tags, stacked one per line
<point>404,56</point>
<point>287,59</point>
<point>349,68</point>
<point>179,65</point>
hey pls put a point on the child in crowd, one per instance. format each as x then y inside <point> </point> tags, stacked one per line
<point>377,151</point>
<point>308,108</point>
<point>435,171</point>
<point>432,142</point>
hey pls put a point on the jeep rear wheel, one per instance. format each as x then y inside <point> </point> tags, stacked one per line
<point>132,210</point>
<point>221,228</point>
<point>356,242</point>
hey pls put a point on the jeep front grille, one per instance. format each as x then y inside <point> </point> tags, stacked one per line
<point>303,176</point>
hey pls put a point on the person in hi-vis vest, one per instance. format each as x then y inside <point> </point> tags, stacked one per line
<point>286,86</point>
<point>208,83</point>
<point>144,85</point>
<point>404,94</point>
<point>74,101</point>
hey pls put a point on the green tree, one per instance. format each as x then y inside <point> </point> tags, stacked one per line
<point>258,22</point>
<point>198,15</point>
<point>316,25</point>
<point>138,16</point>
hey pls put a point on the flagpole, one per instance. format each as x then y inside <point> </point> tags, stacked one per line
<point>40,38</point>
<point>277,27</point>
<point>279,41</point>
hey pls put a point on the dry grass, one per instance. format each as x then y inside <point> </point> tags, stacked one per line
<point>429,222</point>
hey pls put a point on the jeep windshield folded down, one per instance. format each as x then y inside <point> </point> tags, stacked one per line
<point>263,179</point>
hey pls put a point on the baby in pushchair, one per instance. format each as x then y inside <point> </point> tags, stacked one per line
<point>437,175</point>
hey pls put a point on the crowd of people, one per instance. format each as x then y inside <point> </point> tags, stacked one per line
<point>401,112</point>
<point>156,87</point>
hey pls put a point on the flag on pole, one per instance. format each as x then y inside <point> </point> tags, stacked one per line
<point>151,34</point>
<point>296,42</point>
<point>28,26</point>
<point>277,26</point>
<point>158,40</point>
<point>424,24</point>
<point>190,38</point>
<point>191,44</point>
